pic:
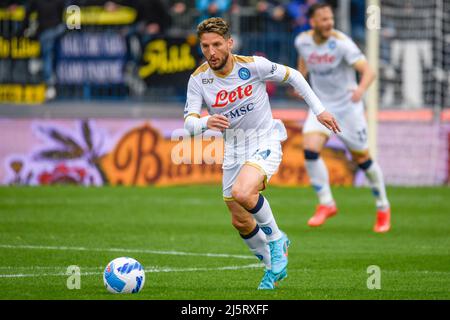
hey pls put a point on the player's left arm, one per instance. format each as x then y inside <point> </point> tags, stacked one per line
<point>355,58</point>
<point>268,70</point>
<point>298,82</point>
<point>367,75</point>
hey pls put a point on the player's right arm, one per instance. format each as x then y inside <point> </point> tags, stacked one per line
<point>301,63</point>
<point>302,67</point>
<point>193,122</point>
<point>356,59</point>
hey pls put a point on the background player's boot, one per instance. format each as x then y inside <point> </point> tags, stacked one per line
<point>323,212</point>
<point>279,255</point>
<point>383,223</point>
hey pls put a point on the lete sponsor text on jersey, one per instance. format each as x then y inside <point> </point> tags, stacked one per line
<point>223,97</point>
<point>316,58</point>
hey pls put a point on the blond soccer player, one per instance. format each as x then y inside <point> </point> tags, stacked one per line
<point>233,89</point>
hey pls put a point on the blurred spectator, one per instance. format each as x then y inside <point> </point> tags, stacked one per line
<point>182,18</point>
<point>10,5</point>
<point>297,11</point>
<point>267,31</point>
<point>152,21</point>
<point>152,18</point>
<point>49,15</point>
<point>178,7</point>
<point>9,27</point>
<point>109,5</point>
<point>211,8</point>
<point>269,17</point>
<point>272,14</point>
<point>49,27</point>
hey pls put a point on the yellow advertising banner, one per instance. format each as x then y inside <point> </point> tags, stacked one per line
<point>97,15</point>
<point>19,48</point>
<point>26,94</point>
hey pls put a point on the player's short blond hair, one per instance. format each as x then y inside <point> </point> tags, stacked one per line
<point>216,25</point>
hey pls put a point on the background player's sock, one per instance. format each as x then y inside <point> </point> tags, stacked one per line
<point>375,177</point>
<point>318,175</point>
<point>265,219</point>
<point>257,242</point>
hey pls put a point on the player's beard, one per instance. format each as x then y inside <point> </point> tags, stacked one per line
<point>325,33</point>
<point>221,65</point>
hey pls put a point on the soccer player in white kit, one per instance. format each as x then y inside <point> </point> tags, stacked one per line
<point>331,58</point>
<point>233,89</point>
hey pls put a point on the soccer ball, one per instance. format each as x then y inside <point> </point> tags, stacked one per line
<point>124,275</point>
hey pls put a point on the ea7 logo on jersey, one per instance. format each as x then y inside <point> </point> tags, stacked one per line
<point>208,81</point>
<point>223,97</point>
<point>274,68</point>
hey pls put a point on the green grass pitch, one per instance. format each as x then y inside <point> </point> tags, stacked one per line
<point>45,230</point>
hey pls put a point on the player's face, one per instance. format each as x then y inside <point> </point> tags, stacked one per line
<point>323,22</point>
<point>216,49</point>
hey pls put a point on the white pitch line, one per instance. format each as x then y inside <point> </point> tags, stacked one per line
<point>175,253</point>
<point>53,268</point>
<point>149,270</point>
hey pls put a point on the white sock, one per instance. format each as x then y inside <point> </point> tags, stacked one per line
<point>257,243</point>
<point>265,219</point>
<point>376,181</point>
<point>318,175</point>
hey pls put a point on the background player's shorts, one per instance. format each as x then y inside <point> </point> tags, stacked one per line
<point>352,123</point>
<point>266,158</point>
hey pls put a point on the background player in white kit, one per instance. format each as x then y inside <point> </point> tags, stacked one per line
<point>331,59</point>
<point>234,91</point>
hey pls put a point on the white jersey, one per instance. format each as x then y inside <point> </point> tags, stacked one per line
<point>241,96</point>
<point>330,67</point>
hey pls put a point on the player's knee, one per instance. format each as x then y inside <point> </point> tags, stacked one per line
<point>311,155</point>
<point>241,195</point>
<point>360,157</point>
<point>364,165</point>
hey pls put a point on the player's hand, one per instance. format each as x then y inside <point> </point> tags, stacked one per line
<point>218,122</point>
<point>357,94</point>
<point>328,121</point>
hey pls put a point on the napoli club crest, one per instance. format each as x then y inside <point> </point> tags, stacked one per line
<point>244,73</point>
<point>267,230</point>
<point>332,44</point>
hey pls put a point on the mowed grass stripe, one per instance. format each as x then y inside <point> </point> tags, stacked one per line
<point>329,262</point>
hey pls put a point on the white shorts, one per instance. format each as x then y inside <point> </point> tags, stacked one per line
<point>266,158</point>
<point>352,123</point>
